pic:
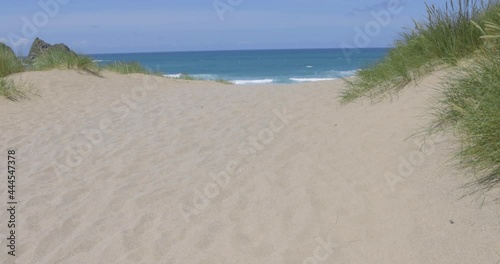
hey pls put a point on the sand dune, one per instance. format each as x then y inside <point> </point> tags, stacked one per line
<point>141,169</point>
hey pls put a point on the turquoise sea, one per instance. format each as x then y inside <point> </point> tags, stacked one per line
<point>254,66</point>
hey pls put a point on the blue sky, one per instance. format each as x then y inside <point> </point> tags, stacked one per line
<point>114,26</point>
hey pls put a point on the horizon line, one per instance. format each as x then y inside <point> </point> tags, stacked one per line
<point>215,50</point>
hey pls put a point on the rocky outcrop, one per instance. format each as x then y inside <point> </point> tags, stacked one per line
<point>39,47</point>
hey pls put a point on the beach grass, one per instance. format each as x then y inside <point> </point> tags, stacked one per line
<point>184,76</point>
<point>447,36</point>
<point>9,63</point>
<point>126,68</point>
<point>224,81</point>
<point>470,107</point>
<point>10,90</point>
<point>61,59</point>
<point>464,36</point>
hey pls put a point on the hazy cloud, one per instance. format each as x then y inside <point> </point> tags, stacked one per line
<point>376,7</point>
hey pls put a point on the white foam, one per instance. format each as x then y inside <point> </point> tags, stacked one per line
<point>309,66</point>
<point>204,76</point>
<point>312,79</point>
<point>344,73</point>
<point>349,73</point>
<point>253,81</point>
<point>100,60</point>
<point>174,76</point>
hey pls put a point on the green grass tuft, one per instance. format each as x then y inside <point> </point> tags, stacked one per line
<point>445,38</point>
<point>188,77</point>
<point>126,68</point>
<point>470,107</point>
<point>465,33</point>
<point>9,63</point>
<point>61,59</point>
<point>10,90</point>
<point>223,81</point>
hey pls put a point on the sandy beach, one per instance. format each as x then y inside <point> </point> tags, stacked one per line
<point>145,169</point>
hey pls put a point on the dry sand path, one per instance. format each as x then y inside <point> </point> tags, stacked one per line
<point>137,169</point>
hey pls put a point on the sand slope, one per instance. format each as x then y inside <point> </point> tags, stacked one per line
<point>138,169</point>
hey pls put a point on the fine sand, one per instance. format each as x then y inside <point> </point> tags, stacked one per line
<point>141,169</point>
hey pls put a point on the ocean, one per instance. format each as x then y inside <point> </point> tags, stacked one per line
<point>254,66</point>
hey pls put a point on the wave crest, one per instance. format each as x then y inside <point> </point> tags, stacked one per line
<point>312,79</point>
<point>261,81</point>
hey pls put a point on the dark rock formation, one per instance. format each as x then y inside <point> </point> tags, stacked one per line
<point>39,47</point>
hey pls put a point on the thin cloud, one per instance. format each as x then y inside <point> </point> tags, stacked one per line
<point>375,7</point>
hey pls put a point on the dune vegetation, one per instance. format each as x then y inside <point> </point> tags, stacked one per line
<point>59,58</point>
<point>465,38</point>
<point>187,77</point>
<point>126,68</point>
<point>136,67</point>
<point>11,90</point>
<point>9,64</point>
<point>470,106</point>
<point>445,38</point>
<point>224,81</point>
<point>64,60</point>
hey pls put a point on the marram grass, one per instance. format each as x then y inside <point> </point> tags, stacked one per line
<point>224,81</point>
<point>10,90</point>
<point>470,107</point>
<point>188,77</point>
<point>446,37</point>
<point>184,76</point>
<point>465,31</point>
<point>126,68</point>
<point>64,60</point>
<point>9,63</point>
